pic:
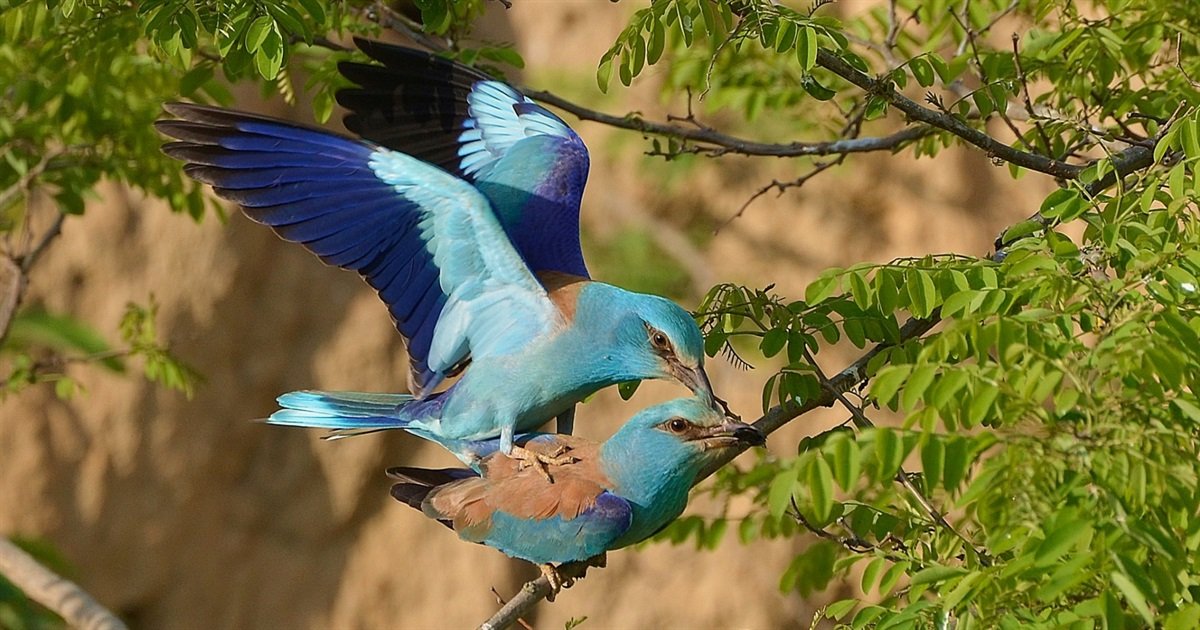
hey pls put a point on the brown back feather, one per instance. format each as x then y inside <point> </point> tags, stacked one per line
<point>522,493</point>
<point>563,289</point>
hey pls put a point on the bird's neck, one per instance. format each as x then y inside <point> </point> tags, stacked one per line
<point>657,491</point>
<point>592,344</point>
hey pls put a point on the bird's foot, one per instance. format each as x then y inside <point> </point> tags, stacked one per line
<point>541,461</point>
<point>554,578</point>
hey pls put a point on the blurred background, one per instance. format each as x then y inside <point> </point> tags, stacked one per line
<point>182,514</point>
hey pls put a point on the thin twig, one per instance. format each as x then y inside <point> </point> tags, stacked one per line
<point>781,186</point>
<point>27,259</point>
<point>1001,109</point>
<point>9,195</point>
<point>500,600</point>
<point>64,597</point>
<point>389,18</point>
<point>1037,123</point>
<point>851,543</point>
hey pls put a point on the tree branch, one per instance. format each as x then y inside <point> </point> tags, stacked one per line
<point>721,143</point>
<point>916,111</point>
<point>27,259</point>
<point>533,592</point>
<point>63,597</point>
<point>12,287</point>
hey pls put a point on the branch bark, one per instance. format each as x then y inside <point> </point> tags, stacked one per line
<point>722,143</point>
<point>920,113</point>
<point>62,596</point>
<point>533,592</point>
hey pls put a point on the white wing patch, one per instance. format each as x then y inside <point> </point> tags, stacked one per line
<point>501,117</point>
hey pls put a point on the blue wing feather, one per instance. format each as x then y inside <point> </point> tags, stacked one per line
<point>530,164</point>
<point>556,539</point>
<point>416,234</point>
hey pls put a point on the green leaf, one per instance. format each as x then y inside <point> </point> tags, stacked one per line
<point>773,342</point>
<point>889,452</point>
<point>922,71</point>
<point>194,78</point>
<point>922,292</point>
<point>820,487</point>
<point>933,461</point>
<point>806,49</point>
<point>955,463</point>
<point>1057,542</point>
<point>815,89</point>
<point>921,378</point>
<point>258,31</point>
<point>59,332</point>
<point>657,41</point>
<point>604,73</point>
<point>1132,595</point>
<point>840,609</point>
<point>983,103</point>
<point>1186,618</point>
<point>779,496</point>
<point>871,573</point>
<point>936,574</point>
<point>322,105</point>
<point>885,384</point>
<point>315,10</point>
<point>892,576</point>
<point>820,288</point>
<point>847,461</point>
<point>627,389</point>
<point>786,38</point>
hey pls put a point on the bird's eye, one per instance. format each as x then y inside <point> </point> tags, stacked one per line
<point>677,425</point>
<point>659,340</point>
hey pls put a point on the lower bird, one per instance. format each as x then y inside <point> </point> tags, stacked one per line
<point>614,494</point>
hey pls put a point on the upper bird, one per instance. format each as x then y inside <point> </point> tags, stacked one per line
<point>478,266</point>
<point>616,494</point>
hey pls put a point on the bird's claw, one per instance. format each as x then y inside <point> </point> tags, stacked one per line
<point>542,461</point>
<point>555,579</point>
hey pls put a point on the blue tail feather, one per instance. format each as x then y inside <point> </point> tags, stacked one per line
<point>348,404</point>
<point>344,413</point>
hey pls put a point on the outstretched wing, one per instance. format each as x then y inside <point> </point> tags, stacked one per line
<point>524,159</point>
<point>427,241</point>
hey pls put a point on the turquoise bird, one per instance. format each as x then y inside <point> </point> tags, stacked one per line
<point>615,494</point>
<point>480,267</point>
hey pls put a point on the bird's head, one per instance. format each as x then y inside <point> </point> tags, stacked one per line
<point>674,441</point>
<point>661,340</point>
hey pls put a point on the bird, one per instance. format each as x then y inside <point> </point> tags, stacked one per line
<point>517,318</point>
<point>614,494</point>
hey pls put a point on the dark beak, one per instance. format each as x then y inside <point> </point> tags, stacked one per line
<point>733,433</point>
<point>750,435</point>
